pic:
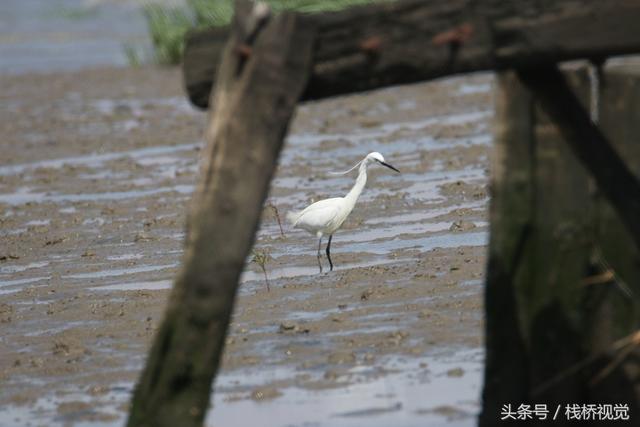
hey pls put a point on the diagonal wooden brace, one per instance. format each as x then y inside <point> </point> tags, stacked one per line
<point>618,184</point>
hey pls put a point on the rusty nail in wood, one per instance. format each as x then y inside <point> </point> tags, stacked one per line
<point>457,35</point>
<point>371,44</point>
<point>244,50</point>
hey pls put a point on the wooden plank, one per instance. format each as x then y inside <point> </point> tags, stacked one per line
<point>256,94</point>
<point>613,177</point>
<point>406,41</point>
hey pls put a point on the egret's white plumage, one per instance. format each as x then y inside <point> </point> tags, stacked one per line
<point>325,217</point>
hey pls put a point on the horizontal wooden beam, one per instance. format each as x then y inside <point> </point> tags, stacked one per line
<point>406,41</point>
<point>616,181</point>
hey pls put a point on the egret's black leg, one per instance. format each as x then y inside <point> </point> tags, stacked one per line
<point>320,256</point>
<point>329,253</point>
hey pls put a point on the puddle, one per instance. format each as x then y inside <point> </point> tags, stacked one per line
<point>469,89</point>
<point>38,222</point>
<point>388,128</point>
<point>124,257</point>
<point>391,232</point>
<point>96,159</point>
<point>480,238</point>
<point>24,196</point>
<point>14,282</point>
<point>472,282</point>
<point>13,232</point>
<point>426,186</point>
<point>119,271</point>
<point>298,271</point>
<point>50,331</point>
<point>7,269</point>
<point>105,407</point>
<point>139,108</point>
<point>14,285</point>
<point>135,286</point>
<point>428,214</point>
<point>364,330</point>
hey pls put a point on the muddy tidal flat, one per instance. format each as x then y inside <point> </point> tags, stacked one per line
<point>97,168</point>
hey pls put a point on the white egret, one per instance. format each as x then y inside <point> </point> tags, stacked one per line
<point>325,217</point>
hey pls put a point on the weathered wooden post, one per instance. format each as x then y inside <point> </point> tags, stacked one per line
<point>557,303</point>
<point>263,72</point>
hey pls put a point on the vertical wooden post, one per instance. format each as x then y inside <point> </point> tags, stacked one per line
<point>511,212</point>
<point>264,70</point>
<point>551,322</point>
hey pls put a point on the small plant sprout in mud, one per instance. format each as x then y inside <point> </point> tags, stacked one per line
<point>326,216</point>
<point>262,257</point>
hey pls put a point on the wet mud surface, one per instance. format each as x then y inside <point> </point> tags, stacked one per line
<point>96,171</point>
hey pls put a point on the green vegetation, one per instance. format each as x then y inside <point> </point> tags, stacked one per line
<point>133,54</point>
<point>168,25</point>
<point>262,257</point>
<point>76,13</point>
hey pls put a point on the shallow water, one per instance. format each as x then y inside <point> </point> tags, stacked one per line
<point>55,35</point>
<point>97,160</point>
<point>411,396</point>
<point>94,240</point>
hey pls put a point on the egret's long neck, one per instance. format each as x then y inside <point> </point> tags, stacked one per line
<point>352,196</point>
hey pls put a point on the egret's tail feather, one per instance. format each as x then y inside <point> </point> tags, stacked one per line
<point>293,216</point>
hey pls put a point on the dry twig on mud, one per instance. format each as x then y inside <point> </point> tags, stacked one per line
<point>619,350</point>
<point>277,214</point>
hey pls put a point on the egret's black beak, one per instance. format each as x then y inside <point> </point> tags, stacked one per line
<point>389,166</point>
